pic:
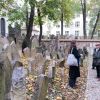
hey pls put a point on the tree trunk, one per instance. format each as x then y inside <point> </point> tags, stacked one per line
<point>84,18</point>
<point>40,24</point>
<point>95,25</point>
<point>27,40</point>
<point>62,24</point>
<point>30,25</point>
<point>27,19</point>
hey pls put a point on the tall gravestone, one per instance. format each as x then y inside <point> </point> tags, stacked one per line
<point>5,76</point>
<point>14,52</point>
<point>41,91</point>
<point>51,70</point>
<point>27,52</point>
<point>33,52</point>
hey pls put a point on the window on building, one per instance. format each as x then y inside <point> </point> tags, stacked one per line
<point>57,32</point>
<point>77,15</point>
<point>66,25</point>
<point>98,31</point>
<point>76,33</point>
<point>57,26</point>
<point>66,32</point>
<point>77,24</point>
<point>2,26</point>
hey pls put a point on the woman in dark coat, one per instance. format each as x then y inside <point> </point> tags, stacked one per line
<point>74,71</point>
<point>96,60</point>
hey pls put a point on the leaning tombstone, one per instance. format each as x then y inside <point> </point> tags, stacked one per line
<point>14,52</point>
<point>41,92</point>
<point>7,49</point>
<point>39,59</point>
<point>27,52</point>
<point>33,52</point>
<point>48,55</point>
<point>35,42</point>
<point>5,76</point>
<point>2,81</point>
<point>42,68</point>
<point>18,87</point>
<point>32,65</point>
<point>51,70</point>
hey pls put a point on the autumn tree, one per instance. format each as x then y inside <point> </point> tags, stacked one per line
<point>83,5</point>
<point>94,13</point>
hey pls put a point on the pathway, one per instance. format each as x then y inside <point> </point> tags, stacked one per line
<point>93,85</point>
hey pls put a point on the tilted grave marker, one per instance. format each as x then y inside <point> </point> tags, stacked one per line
<point>33,52</point>
<point>51,70</point>
<point>41,91</point>
<point>5,76</point>
<point>14,52</point>
<point>18,86</point>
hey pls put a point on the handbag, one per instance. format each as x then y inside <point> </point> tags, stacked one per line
<point>98,62</point>
<point>71,60</point>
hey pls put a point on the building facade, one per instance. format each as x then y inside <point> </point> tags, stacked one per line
<point>75,28</point>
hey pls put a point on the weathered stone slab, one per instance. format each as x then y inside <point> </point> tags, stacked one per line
<point>33,52</point>
<point>3,43</point>
<point>5,76</point>
<point>18,86</point>
<point>43,81</point>
<point>32,65</point>
<point>41,92</point>
<point>47,55</point>
<point>14,52</point>
<point>51,70</point>
<point>27,52</point>
<point>35,42</point>
<point>39,59</point>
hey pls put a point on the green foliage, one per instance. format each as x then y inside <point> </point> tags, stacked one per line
<point>15,15</point>
<point>94,7</point>
<point>5,4</point>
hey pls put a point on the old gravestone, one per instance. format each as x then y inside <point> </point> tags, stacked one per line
<point>35,42</point>
<point>51,70</point>
<point>32,66</point>
<point>14,52</point>
<point>5,76</point>
<point>41,91</point>
<point>33,52</point>
<point>47,55</point>
<point>27,52</point>
<point>3,42</point>
<point>39,59</point>
<point>18,89</point>
<point>7,49</point>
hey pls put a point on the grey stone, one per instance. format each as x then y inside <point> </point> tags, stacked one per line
<point>14,52</point>
<point>5,76</point>
<point>42,88</point>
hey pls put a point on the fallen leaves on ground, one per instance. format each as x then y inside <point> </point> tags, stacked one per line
<point>58,89</point>
<point>60,86</point>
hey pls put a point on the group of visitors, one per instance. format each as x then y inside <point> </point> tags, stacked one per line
<point>74,69</point>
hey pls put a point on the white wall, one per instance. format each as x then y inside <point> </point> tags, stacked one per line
<point>50,26</point>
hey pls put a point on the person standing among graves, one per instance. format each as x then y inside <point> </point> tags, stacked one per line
<point>93,63</point>
<point>97,60</point>
<point>74,71</point>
